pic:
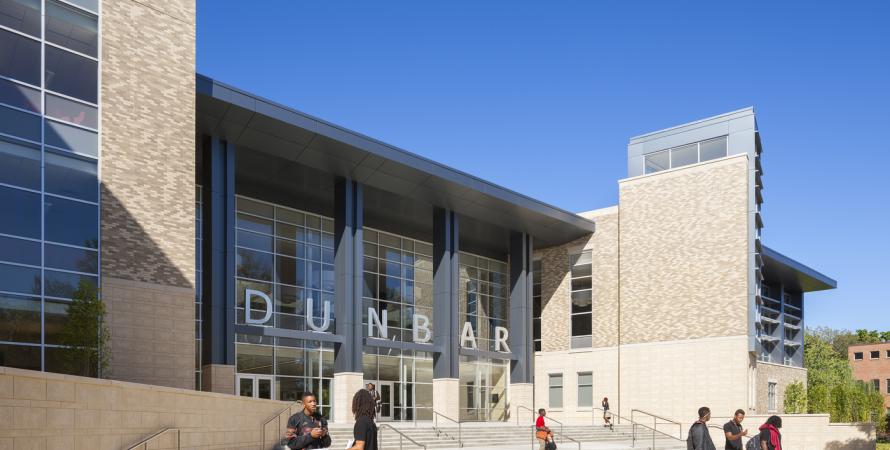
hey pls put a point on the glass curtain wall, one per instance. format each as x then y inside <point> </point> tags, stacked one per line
<point>49,192</point>
<point>398,279</point>
<point>288,255</point>
<point>484,304</point>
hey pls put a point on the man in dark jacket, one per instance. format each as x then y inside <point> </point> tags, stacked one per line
<point>699,438</point>
<point>307,428</point>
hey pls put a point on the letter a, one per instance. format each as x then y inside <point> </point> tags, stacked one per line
<point>467,335</point>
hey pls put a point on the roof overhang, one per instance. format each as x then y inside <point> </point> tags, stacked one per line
<point>791,273</point>
<point>258,124</point>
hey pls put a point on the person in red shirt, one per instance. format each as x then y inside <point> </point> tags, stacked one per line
<point>541,431</point>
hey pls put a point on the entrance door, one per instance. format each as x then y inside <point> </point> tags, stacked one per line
<point>387,398</point>
<point>256,386</point>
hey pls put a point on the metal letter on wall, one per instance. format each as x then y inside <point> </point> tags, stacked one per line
<point>421,324</point>
<point>500,340</point>
<point>467,336</point>
<point>248,295</point>
<point>310,317</point>
<point>373,319</point>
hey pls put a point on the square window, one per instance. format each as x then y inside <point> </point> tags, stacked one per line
<point>857,356</point>
<point>71,74</point>
<point>684,156</point>
<point>875,354</point>
<point>713,149</point>
<point>72,28</point>
<point>21,15</point>
<point>657,162</point>
<point>19,57</point>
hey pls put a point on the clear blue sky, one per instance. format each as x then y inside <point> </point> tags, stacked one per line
<point>541,97</point>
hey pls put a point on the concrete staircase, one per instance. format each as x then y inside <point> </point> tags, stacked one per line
<point>494,435</point>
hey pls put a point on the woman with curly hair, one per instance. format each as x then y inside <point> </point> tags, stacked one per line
<point>364,432</point>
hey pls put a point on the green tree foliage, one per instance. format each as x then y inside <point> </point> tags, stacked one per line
<point>831,387</point>
<point>85,334</point>
<point>868,336</point>
<point>795,398</point>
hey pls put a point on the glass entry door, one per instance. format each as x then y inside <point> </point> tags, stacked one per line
<point>256,386</point>
<point>387,393</point>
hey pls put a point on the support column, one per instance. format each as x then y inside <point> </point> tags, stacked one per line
<point>445,313</point>
<point>348,253</point>
<point>218,300</point>
<point>521,335</point>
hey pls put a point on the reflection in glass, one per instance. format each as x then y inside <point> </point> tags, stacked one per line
<point>71,138</point>
<point>18,95</point>
<point>71,111</point>
<point>21,15</point>
<point>19,318</point>
<point>19,58</point>
<point>71,222</point>
<point>64,284</point>
<point>19,251</point>
<point>20,211</point>
<point>24,280</point>
<point>72,28</point>
<point>657,162</point>
<point>19,165</point>
<point>19,124</point>
<point>71,177</point>
<point>71,75</point>
<point>69,258</point>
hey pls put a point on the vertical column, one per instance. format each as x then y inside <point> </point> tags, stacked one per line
<point>445,313</point>
<point>521,335</point>
<point>218,303</point>
<point>348,252</point>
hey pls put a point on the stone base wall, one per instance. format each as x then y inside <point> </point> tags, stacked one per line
<point>40,410</point>
<point>219,378</point>
<point>446,397</point>
<point>345,386</point>
<point>782,376</point>
<point>152,330</point>
<point>805,432</point>
<point>521,400</point>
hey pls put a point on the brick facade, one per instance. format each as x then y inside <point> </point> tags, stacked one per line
<point>147,177</point>
<point>868,368</point>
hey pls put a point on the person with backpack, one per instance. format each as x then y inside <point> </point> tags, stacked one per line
<point>307,428</point>
<point>542,432</point>
<point>770,438</point>
<point>699,438</point>
<point>734,432</point>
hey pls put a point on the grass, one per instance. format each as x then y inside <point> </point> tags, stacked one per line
<point>883,445</point>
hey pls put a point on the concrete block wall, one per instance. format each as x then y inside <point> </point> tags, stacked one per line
<point>41,410</point>
<point>147,176</point>
<point>601,362</point>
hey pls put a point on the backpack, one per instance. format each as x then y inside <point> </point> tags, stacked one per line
<point>550,445</point>
<point>753,443</point>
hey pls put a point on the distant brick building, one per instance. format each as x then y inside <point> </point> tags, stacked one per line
<point>871,363</point>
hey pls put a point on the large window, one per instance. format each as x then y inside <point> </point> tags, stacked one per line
<point>581,313</point>
<point>49,196</point>
<point>287,255</point>
<point>398,279</point>
<point>198,287</point>
<point>408,379</point>
<point>585,389</point>
<point>484,302</point>
<point>685,155</point>
<point>554,389</point>
<point>295,365</point>
<point>483,389</point>
<point>536,303</point>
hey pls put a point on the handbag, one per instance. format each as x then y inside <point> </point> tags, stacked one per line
<point>542,435</point>
<point>550,445</point>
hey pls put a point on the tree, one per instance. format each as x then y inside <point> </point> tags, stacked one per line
<point>831,387</point>
<point>795,398</point>
<point>85,334</point>
<point>868,336</point>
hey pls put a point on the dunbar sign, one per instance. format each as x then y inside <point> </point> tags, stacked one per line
<point>421,332</point>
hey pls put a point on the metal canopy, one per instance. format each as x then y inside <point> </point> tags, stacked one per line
<point>778,267</point>
<point>264,126</point>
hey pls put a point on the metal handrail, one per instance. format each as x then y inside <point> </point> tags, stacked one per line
<point>436,416</point>
<point>594,409</point>
<point>277,416</point>
<point>401,435</point>
<point>634,426</point>
<point>518,407</point>
<point>156,435</point>
<point>560,424</point>
<point>563,437</point>
<point>655,418</point>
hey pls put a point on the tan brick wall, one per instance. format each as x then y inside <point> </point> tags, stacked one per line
<point>684,253</point>
<point>52,411</point>
<point>152,330</point>
<point>783,376</point>
<point>219,378</point>
<point>148,141</point>
<point>556,285</point>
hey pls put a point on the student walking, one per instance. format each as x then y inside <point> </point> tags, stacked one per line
<point>770,438</point>
<point>607,420</point>
<point>542,433</point>
<point>699,438</point>
<point>307,428</point>
<point>364,432</point>
<point>734,432</point>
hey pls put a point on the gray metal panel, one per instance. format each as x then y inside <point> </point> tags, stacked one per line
<point>794,275</point>
<point>266,126</point>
